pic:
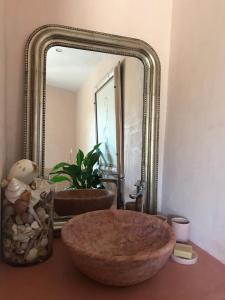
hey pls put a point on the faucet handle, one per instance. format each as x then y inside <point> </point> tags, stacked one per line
<point>138,183</point>
<point>139,190</point>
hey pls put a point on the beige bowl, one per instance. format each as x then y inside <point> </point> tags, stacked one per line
<point>118,247</point>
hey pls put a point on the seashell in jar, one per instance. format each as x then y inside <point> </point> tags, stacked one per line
<point>24,170</point>
<point>20,206</point>
<point>44,242</point>
<point>41,214</point>
<point>24,245</point>
<point>21,228</point>
<point>42,185</point>
<point>35,225</point>
<point>18,220</point>
<point>22,203</point>
<point>27,218</point>
<point>14,190</point>
<point>14,229</point>
<point>26,196</point>
<point>32,255</point>
<point>35,197</point>
<point>4,183</point>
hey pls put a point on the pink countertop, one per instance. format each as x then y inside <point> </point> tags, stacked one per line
<point>57,279</point>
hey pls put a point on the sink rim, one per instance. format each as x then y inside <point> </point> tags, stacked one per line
<point>138,257</point>
<point>103,193</point>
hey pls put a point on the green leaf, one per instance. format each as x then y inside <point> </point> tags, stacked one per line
<point>94,158</point>
<point>57,172</point>
<point>76,184</point>
<point>87,157</point>
<point>96,173</point>
<point>72,170</point>
<point>90,153</point>
<point>60,165</point>
<point>59,178</point>
<point>79,157</point>
<point>97,146</point>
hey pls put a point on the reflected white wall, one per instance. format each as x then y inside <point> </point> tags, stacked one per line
<point>60,126</point>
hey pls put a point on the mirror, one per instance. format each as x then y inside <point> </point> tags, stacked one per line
<point>94,98</point>
<point>85,88</point>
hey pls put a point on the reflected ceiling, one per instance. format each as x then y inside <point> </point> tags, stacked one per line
<point>68,68</point>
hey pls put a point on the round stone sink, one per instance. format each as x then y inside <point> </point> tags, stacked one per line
<point>118,247</point>
<point>75,202</point>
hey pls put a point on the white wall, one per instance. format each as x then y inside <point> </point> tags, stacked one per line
<point>60,126</point>
<point>85,114</point>
<point>2,89</point>
<point>149,20</point>
<point>194,173</point>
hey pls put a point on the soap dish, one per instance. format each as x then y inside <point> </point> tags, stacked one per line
<point>185,261</point>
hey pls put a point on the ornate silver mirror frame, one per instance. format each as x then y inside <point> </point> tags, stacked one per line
<point>48,36</point>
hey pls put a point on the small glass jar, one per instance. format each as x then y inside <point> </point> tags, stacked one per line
<point>27,222</point>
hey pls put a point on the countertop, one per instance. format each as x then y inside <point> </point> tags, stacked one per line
<point>57,279</point>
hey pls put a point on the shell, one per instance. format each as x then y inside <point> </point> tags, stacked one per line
<point>42,185</point>
<point>24,170</point>
<point>4,183</point>
<point>26,196</point>
<point>14,190</point>
<point>32,255</point>
<point>18,220</point>
<point>33,213</point>
<point>44,242</point>
<point>21,206</point>
<point>41,214</point>
<point>35,197</point>
<point>35,225</point>
<point>27,218</point>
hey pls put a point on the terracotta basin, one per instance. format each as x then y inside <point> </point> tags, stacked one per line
<point>118,247</point>
<point>75,202</point>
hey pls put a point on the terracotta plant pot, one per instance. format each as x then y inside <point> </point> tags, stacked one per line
<point>75,202</point>
<point>118,247</point>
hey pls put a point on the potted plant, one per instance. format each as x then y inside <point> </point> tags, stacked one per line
<point>86,191</point>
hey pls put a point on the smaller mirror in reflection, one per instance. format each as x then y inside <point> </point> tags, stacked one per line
<point>95,98</point>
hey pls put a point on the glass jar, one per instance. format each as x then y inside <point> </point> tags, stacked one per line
<point>27,222</point>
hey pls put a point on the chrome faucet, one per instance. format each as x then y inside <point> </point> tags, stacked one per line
<point>139,190</point>
<point>138,195</point>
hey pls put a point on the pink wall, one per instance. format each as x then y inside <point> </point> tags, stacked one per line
<point>60,126</point>
<point>194,173</point>
<point>194,162</point>
<point>2,89</point>
<point>148,20</point>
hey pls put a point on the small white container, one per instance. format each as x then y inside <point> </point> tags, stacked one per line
<point>181,227</point>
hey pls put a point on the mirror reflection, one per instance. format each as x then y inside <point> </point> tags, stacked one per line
<point>95,98</point>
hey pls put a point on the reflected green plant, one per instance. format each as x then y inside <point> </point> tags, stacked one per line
<point>83,174</point>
